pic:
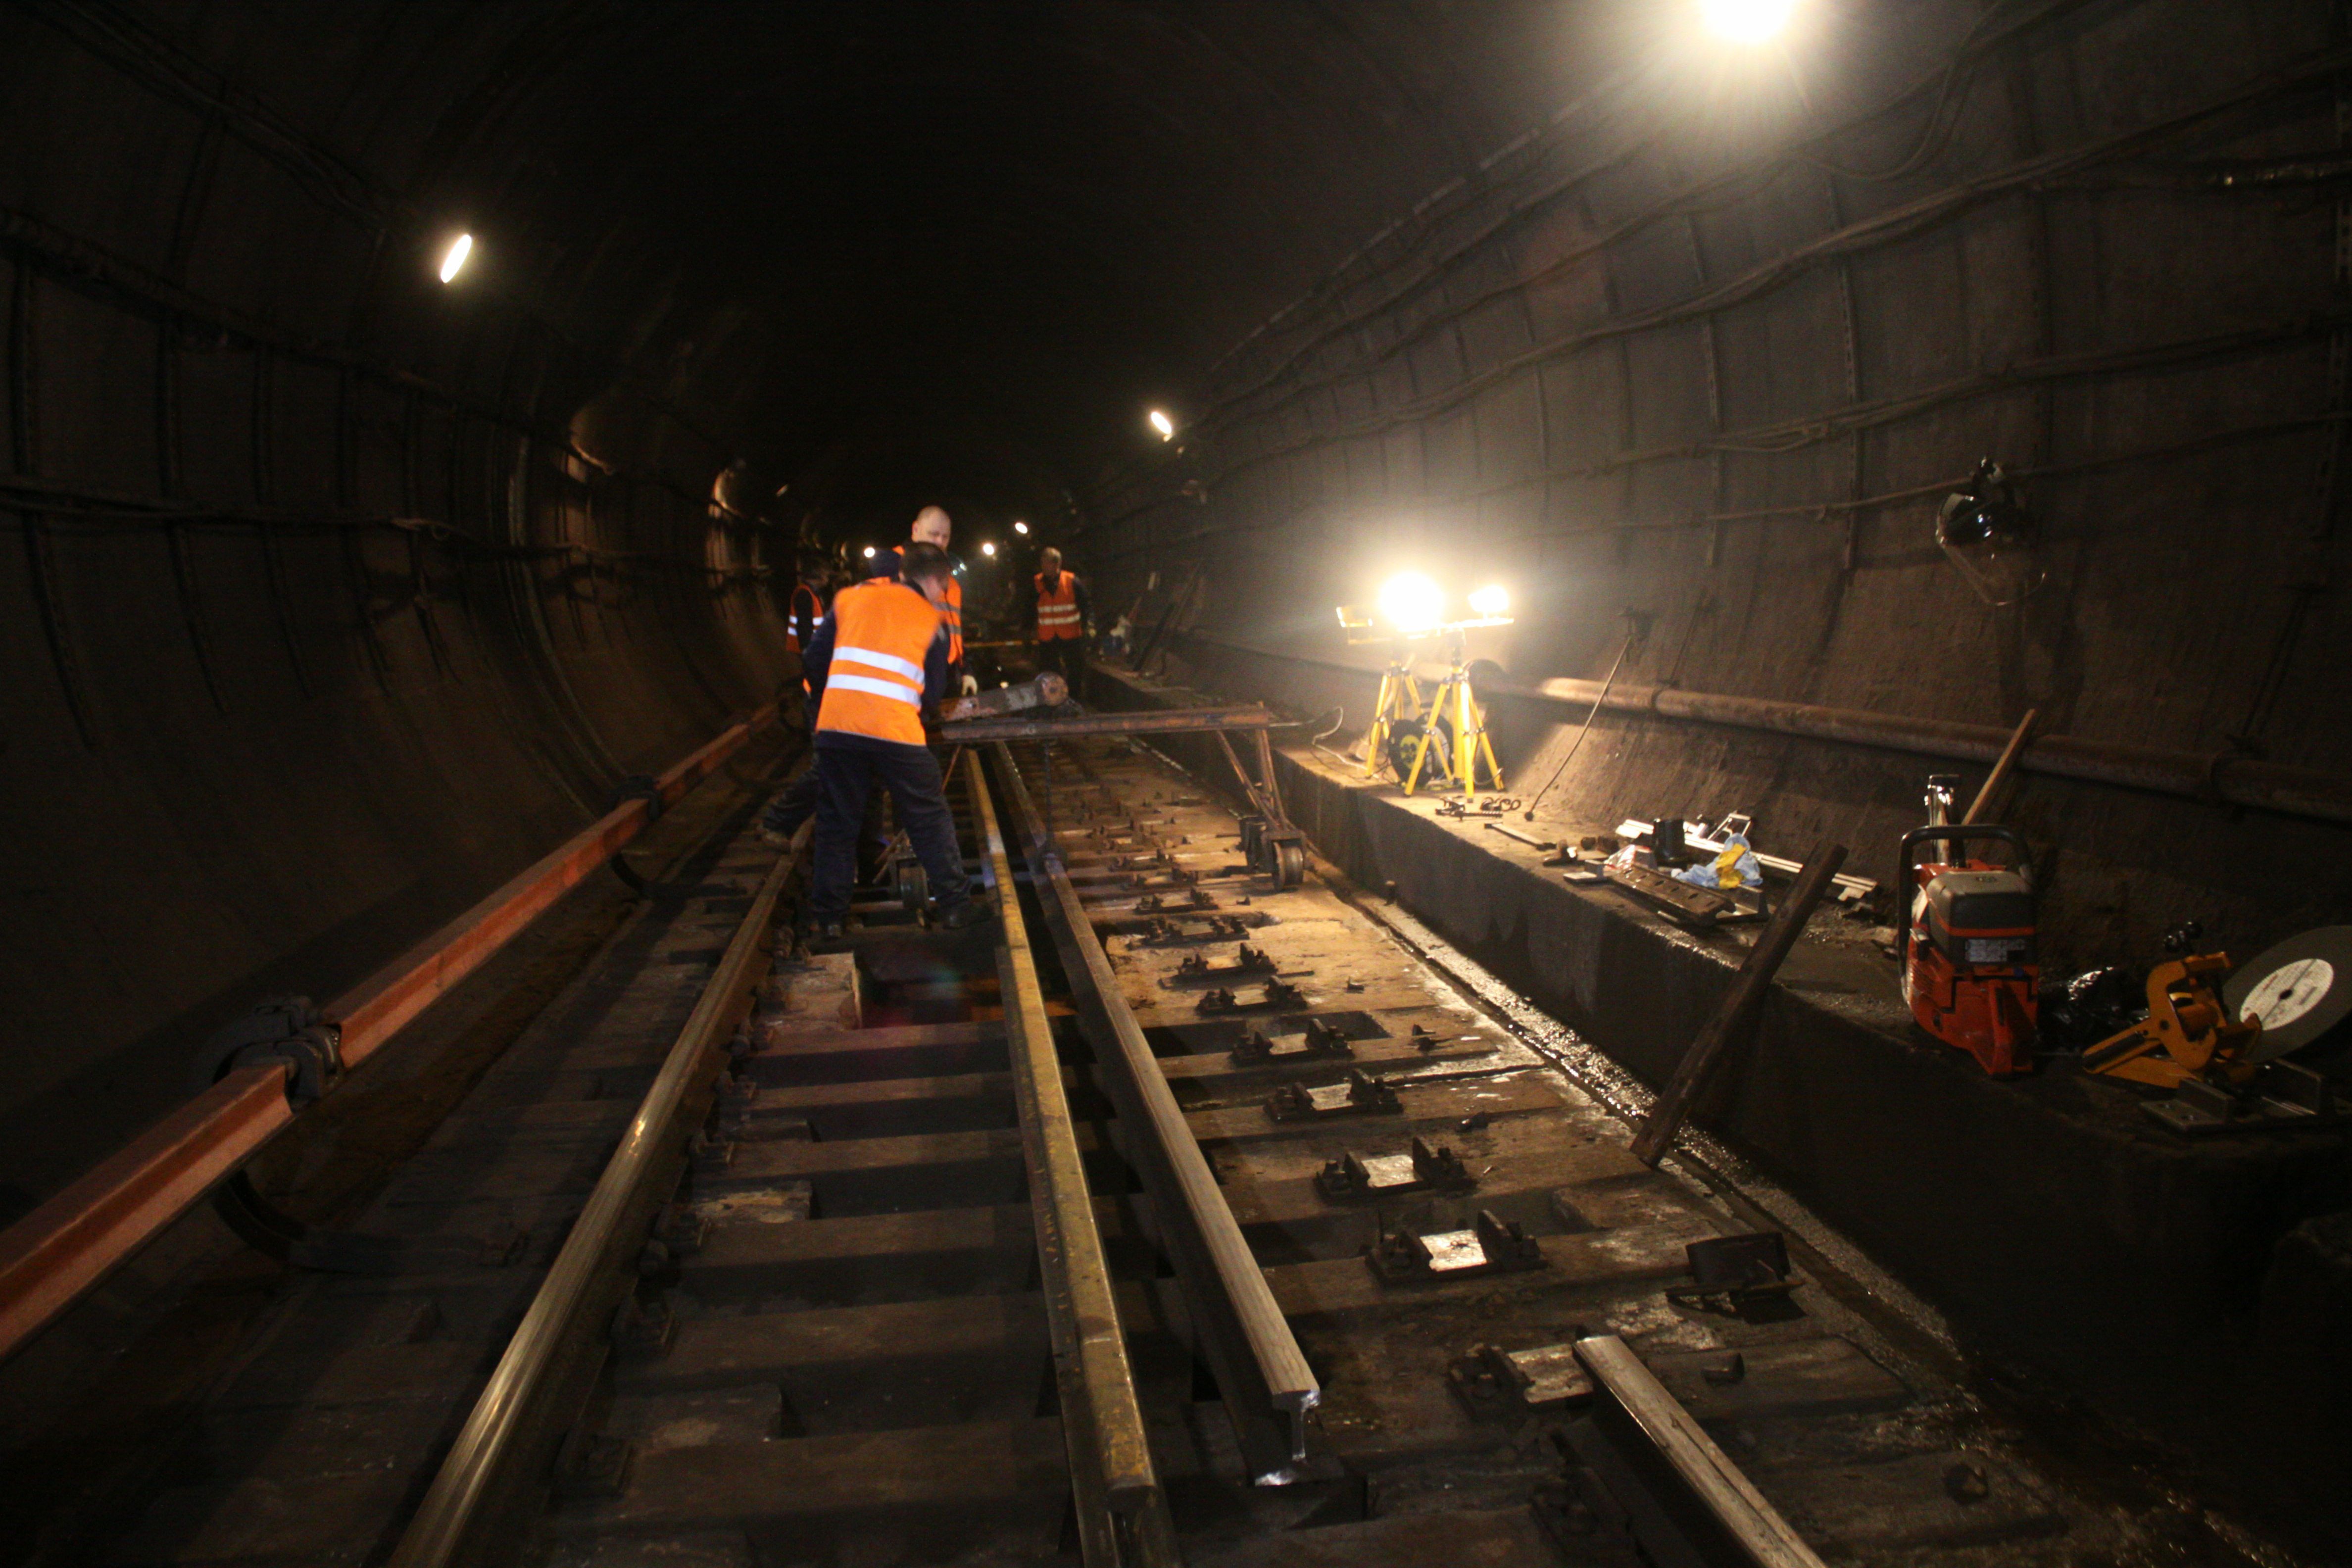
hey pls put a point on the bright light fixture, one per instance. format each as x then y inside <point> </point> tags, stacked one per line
<point>988,549</point>
<point>1746,21</point>
<point>869,552</point>
<point>1411,603</point>
<point>1165,426</point>
<point>1020,528</point>
<point>452,260</point>
<point>1491,600</point>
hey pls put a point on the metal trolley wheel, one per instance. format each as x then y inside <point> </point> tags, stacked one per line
<point>1289,865</point>
<point>914,885</point>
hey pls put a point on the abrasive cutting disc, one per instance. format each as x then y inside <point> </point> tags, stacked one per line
<point>2300,989</point>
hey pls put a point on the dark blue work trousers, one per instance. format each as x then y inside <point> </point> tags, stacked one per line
<point>847,768</point>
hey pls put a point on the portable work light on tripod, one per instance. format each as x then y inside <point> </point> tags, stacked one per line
<point>1405,733</point>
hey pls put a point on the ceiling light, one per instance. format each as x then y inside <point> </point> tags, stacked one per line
<point>452,260</point>
<point>869,552</point>
<point>1020,528</point>
<point>1411,603</point>
<point>1492,600</point>
<point>1746,21</point>
<point>988,548</point>
<point>1165,426</point>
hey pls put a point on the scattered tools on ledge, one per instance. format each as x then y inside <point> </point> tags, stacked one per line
<point>1546,844</point>
<point>1735,1015</point>
<point>1353,1177</point>
<point>1692,909</point>
<point>1489,1247</point>
<point>1357,1094</point>
<point>1459,809</point>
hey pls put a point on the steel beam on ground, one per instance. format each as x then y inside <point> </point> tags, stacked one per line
<point>49,1257</point>
<point>1122,1516</point>
<point>1711,1498</point>
<point>1241,1332</point>
<point>1167,722</point>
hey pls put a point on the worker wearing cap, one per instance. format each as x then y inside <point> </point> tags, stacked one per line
<point>933,526</point>
<point>1062,614</point>
<point>880,660</point>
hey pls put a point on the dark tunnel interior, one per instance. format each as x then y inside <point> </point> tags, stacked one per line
<point>334,594</point>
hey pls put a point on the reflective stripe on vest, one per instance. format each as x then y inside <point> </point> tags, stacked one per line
<point>882,630</point>
<point>1057,610</point>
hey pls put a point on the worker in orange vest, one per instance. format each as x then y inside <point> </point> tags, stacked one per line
<point>877,663</point>
<point>1063,616</point>
<point>933,526</point>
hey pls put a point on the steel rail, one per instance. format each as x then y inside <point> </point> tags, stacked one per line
<point>82,1233</point>
<point>1163,721</point>
<point>1710,1497</point>
<point>501,1454</point>
<point>1261,1373</point>
<point>1122,1515</point>
<point>2227,778</point>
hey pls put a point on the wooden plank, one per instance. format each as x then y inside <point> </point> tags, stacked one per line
<point>881,1341</point>
<point>983,1466</point>
<point>1498,1538</point>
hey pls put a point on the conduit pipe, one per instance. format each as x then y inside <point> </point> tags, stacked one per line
<point>2226,778</point>
<point>48,1259</point>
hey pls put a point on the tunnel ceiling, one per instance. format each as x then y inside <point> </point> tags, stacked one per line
<point>817,227</point>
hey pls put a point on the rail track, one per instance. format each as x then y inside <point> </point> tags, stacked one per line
<point>1172,1216</point>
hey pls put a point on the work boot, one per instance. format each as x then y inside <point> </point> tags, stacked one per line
<point>965,915</point>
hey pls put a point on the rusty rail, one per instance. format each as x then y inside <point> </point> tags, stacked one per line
<point>48,1259</point>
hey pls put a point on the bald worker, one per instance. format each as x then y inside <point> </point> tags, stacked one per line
<point>933,527</point>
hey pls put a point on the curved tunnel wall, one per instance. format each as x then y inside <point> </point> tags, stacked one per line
<point>315,625</point>
<point>1724,376</point>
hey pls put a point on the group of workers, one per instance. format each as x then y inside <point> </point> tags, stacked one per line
<point>876,656</point>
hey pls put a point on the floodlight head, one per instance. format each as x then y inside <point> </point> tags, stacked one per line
<point>1411,603</point>
<point>1746,21</point>
<point>1355,617</point>
<point>1492,600</point>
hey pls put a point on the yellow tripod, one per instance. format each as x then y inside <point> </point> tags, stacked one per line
<point>1399,707</point>
<point>1455,708</point>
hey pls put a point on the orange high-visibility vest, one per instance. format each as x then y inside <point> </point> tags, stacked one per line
<point>793,616</point>
<point>954,612</point>
<point>881,630</point>
<point>1058,608</point>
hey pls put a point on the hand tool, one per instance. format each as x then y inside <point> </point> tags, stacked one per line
<point>2188,1033</point>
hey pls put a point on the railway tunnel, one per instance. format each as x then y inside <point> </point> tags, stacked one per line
<point>420,414</point>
